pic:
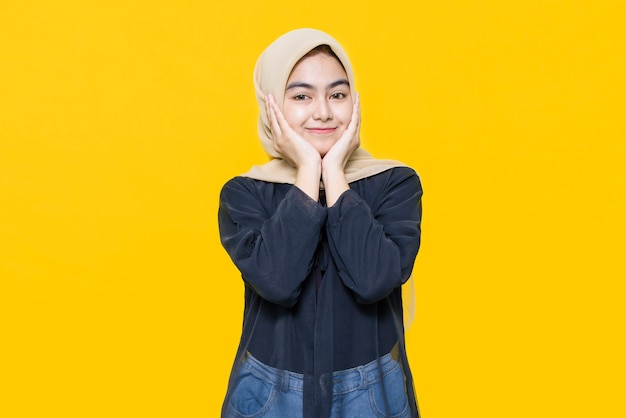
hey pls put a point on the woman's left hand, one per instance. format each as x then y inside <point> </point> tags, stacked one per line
<point>336,158</point>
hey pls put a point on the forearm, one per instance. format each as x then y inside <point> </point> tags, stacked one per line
<point>308,179</point>
<point>375,248</point>
<point>273,250</point>
<point>335,184</point>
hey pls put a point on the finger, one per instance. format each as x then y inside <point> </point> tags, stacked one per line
<point>276,113</point>
<point>355,120</point>
<point>274,124</point>
<point>267,113</point>
<point>356,112</point>
<point>284,125</point>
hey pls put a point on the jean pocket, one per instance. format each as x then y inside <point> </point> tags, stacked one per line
<point>252,396</point>
<point>388,398</point>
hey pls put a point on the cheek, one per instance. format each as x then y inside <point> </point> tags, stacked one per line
<point>344,112</point>
<point>294,115</point>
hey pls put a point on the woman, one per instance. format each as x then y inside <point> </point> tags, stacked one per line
<point>324,236</point>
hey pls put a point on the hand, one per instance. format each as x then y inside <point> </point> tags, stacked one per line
<point>295,150</point>
<point>336,158</point>
<point>291,146</point>
<point>334,162</point>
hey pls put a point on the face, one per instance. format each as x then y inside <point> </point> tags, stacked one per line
<point>318,102</point>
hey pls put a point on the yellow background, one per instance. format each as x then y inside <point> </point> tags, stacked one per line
<point>120,121</point>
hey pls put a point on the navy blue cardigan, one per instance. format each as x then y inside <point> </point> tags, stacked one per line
<point>323,284</point>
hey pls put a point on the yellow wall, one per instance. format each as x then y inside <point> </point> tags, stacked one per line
<point>120,120</point>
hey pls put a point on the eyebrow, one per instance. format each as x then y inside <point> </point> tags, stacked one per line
<point>343,81</point>
<point>302,84</point>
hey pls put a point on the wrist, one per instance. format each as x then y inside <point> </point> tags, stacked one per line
<point>308,179</point>
<point>332,171</point>
<point>309,160</point>
<point>335,183</point>
<point>310,166</point>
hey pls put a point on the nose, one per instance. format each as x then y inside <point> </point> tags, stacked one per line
<point>322,110</point>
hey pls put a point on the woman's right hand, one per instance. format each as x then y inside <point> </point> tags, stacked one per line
<point>295,150</point>
<point>291,146</point>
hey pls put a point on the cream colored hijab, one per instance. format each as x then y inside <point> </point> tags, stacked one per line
<point>270,77</point>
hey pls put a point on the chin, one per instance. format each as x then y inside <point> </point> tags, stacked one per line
<point>323,152</point>
<point>324,148</point>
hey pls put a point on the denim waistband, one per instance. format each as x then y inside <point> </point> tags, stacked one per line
<point>344,381</point>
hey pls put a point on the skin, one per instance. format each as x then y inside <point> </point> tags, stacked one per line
<point>318,127</point>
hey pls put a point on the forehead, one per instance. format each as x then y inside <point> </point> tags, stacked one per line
<point>317,67</point>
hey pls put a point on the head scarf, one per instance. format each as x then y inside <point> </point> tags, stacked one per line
<point>271,73</point>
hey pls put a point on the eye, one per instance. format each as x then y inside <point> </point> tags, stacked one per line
<point>338,96</point>
<point>300,97</point>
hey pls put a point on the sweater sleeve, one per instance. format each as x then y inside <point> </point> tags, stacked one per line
<point>375,247</point>
<point>273,249</point>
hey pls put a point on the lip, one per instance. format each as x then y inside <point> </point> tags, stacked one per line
<point>321,131</point>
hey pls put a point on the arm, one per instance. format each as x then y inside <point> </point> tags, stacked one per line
<point>273,251</point>
<point>375,248</point>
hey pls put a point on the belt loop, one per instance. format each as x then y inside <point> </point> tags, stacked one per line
<point>285,381</point>
<point>362,378</point>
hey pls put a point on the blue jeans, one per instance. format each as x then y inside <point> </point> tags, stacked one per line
<point>263,391</point>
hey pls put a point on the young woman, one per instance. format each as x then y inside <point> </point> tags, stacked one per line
<point>324,236</point>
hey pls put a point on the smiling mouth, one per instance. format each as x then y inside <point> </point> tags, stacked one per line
<point>321,131</point>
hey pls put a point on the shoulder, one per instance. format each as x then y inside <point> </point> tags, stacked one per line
<point>241,184</point>
<point>237,183</point>
<point>245,190</point>
<point>393,178</point>
<point>239,187</point>
<point>402,173</point>
<point>396,184</point>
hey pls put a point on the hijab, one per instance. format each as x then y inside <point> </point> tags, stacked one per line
<point>271,73</point>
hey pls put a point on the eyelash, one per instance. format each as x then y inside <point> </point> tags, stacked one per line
<point>336,96</point>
